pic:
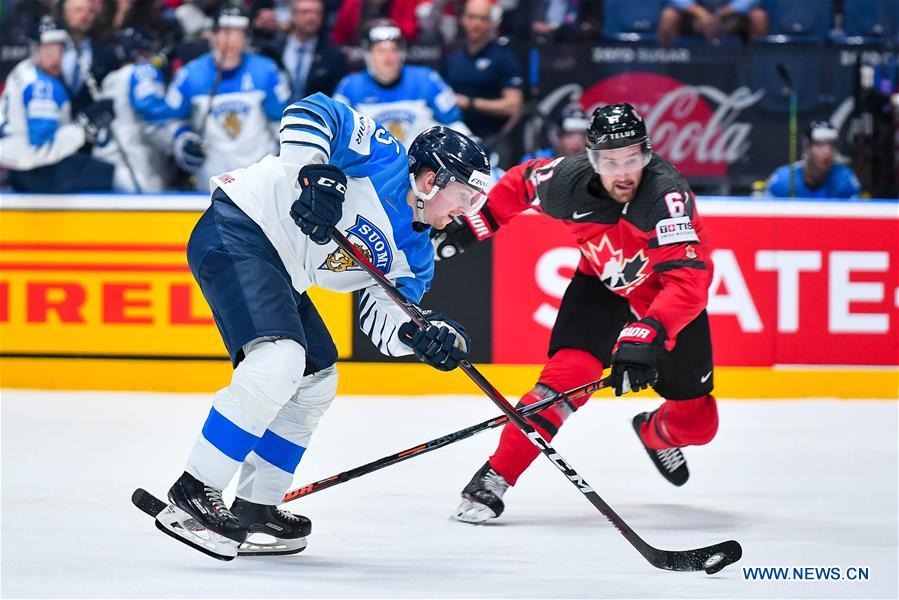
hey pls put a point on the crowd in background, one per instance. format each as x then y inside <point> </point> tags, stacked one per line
<point>297,48</point>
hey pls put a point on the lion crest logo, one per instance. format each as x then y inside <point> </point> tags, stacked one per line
<point>371,243</point>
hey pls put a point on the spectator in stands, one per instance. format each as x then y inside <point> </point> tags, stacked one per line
<point>710,18</point>
<point>354,14</point>
<point>406,99</point>
<point>84,56</point>
<point>486,76</point>
<point>312,64</point>
<point>567,134</point>
<point>230,101</point>
<point>39,142</point>
<point>817,176</point>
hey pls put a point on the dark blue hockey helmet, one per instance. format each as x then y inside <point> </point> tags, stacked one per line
<point>48,31</point>
<point>232,17</point>
<point>133,42</point>
<point>572,119</point>
<point>455,158</point>
<point>821,132</point>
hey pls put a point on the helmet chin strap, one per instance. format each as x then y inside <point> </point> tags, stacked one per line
<point>418,211</point>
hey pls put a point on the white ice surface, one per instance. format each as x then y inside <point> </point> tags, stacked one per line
<point>798,483</point>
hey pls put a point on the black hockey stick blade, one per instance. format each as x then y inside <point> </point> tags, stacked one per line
<point>147,502</point>
<point>710,559</point>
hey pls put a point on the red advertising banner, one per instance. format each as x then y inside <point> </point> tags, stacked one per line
<point>810,283</point>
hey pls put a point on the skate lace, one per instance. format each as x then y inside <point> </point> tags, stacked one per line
<point>287,516</point>
<point>494,483</point>
<point>672,458</point>
<point>215,498</point>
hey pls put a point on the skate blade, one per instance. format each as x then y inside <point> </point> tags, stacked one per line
<point>260,544</point>
<point>474,513</point>
<point>178,524</point>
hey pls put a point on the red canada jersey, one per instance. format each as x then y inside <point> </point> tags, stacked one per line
<point>651,250</point>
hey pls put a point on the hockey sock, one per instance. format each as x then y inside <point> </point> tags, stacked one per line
<point>566,369</point>
<point>681,423</point>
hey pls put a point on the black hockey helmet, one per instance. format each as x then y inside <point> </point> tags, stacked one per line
<point>617,126</point>
<point>821,132</point>
<point>572,119</point>
<point>132,42</point>
<point>48,31</point>
<point>455,158</point>
<point>232,16</point>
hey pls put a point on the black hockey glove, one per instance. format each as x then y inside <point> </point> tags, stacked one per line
<point>319,206</point>
<point>188,151</point>
<point>440,345</point>
<point>635,354</point>
<point>461,233</point>
<point>95,117</point>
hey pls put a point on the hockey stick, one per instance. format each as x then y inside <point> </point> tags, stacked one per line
<point>446,440</point>
<point>94,90</point>
<point>794,108</point>
<point>153,506</point>
<point>711,559</point>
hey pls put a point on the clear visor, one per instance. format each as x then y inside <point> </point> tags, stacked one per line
<point>619,161</point>
<point>464,197</point>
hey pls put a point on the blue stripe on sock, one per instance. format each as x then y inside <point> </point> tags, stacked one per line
<point>233,441</point>
<point>278,451</point>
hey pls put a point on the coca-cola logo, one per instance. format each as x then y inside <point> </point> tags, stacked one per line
<point>681,120</point>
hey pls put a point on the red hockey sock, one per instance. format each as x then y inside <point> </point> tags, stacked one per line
<point>682,423</point>
<point>567,369</point>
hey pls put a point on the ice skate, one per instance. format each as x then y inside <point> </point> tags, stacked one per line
<point>670,462</point>
<point>197,516</point>
<point>271,531</point>
<point>482,497</point>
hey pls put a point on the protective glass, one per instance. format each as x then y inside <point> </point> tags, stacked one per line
<point>620,160</point>
<point>467,197</point>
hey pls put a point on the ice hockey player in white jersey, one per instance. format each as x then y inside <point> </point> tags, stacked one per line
<point>407,99</point>
<point>139,130</point>
<point>231,101</point>
<point>261,244</point>
<point>39,140</point>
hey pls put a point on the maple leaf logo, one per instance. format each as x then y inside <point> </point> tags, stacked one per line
<point>610,265</point>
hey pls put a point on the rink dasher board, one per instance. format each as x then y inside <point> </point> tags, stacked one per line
<point>197,202</point>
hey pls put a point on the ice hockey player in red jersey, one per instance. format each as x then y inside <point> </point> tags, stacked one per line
<point>636,301</point>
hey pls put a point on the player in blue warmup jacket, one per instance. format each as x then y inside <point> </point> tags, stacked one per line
<point>230,101</point>
<point>817,176</point>
<point>263,242</point>
<point>406,99</point>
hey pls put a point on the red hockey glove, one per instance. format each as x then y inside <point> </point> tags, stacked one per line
<point>634,355</point>
<point>461,233</point>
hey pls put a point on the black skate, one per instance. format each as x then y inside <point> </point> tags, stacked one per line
<point>482,498</point>
<point>670,462</point>
<point>197,516</point>
<point>265,522</point>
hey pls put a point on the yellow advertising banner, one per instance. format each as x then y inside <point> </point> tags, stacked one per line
<point>114,284</point>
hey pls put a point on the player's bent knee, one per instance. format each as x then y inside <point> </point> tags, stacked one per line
<point>272,370</point>
<point>319,389</point>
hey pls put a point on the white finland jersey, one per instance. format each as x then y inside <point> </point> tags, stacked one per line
<point>376,217</point>
<point>138,95</point>
<point>246,106</point>
<point>419,100</point>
